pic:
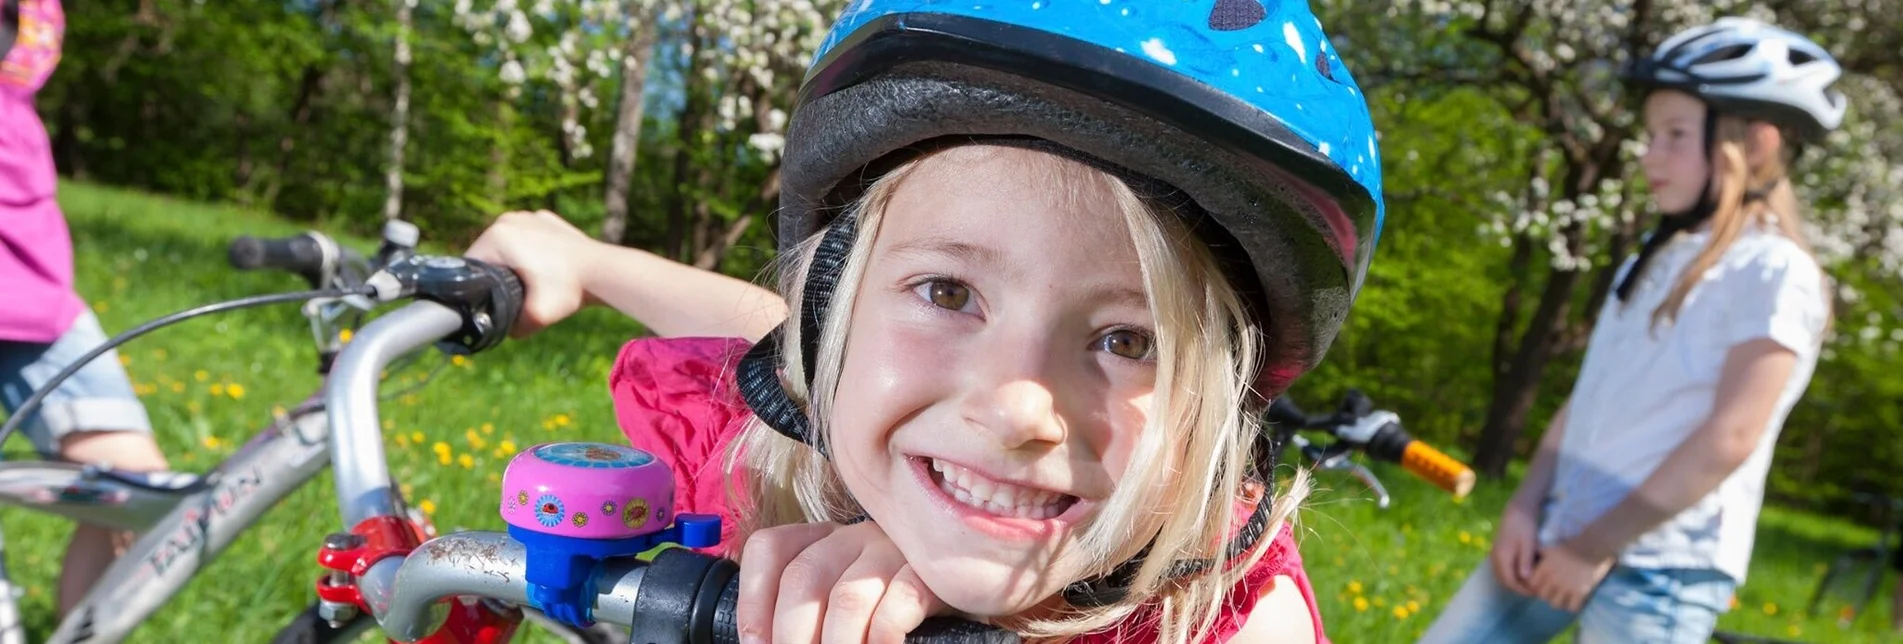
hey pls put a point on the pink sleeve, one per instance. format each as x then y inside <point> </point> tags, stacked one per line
<point>675,398</point>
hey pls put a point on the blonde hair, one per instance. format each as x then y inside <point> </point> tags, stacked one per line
<point>1207,352</point>
<point>1733,176</point>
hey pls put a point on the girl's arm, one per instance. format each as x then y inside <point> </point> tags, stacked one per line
<point>1280,615</point>
<point>563,268</point>
<point>1748,390</point>
<point>675,299</point>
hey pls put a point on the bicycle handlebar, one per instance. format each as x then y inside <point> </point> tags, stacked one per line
<point>682,596</point>
<point>1379,434</point>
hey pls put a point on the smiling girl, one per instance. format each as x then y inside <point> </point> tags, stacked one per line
<point>1045,264</point>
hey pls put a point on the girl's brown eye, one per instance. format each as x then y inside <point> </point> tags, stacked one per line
<point>1127,344</point>
<point>949,295</point>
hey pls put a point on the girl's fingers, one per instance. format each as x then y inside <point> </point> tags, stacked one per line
<point>906,604</point>
<point>764,559</point>
<point>806,586</point>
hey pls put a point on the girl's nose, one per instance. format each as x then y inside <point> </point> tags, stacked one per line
<point>1017,414</point>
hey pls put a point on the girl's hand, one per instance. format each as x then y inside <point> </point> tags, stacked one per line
<point>1514,547</point>
<point>826,582</point>
<point>1565,580</point>
<point>552,257</point>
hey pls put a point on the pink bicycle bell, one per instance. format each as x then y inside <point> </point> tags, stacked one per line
<point>574,504</point>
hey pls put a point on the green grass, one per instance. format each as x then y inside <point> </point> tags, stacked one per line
<point>1380,576</point>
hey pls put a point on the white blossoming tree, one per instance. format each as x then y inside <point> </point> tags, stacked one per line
<point>733,63</point>
<point>1543,162</point>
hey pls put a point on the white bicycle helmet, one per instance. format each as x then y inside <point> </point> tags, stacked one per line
<point>1748,68</point>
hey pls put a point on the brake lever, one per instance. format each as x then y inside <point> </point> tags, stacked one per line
<point>1367,476</point>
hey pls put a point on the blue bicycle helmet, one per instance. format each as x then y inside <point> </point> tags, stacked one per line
<point>1243,105</point>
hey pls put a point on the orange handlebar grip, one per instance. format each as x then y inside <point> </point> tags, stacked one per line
<point>1440,469</point>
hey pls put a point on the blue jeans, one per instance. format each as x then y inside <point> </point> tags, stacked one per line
<point>1656,606</point>
<point>99,397</point>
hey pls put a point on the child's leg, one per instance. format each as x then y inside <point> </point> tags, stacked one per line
<point>1485,611</point>
<point>1671,606</point>
<point>93,417</point>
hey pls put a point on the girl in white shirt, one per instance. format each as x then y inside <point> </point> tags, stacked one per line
<point>1637,514</point>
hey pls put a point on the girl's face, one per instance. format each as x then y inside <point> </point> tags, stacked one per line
<point>996,376</point>
<point>1675,162</point>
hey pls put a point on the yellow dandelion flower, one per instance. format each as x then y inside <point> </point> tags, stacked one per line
<point>427,506</point>
<point>1793,631</point>
<point>408,490</point>
<point>1413,606</point>
<point>441,448</point>
<point>507,446</point>
<point>1361,604</point>
<point>201,375</point>
<point>344,336</point>
<point>389,425</point>
<point>211,442</point>
<point>561,420</point>
<point>402,441</point>
<point>178,387</point>
<point>1400,612</point>
<point>1465,537</point>
<point>1770,608</point>
<point>416,437</point>
<point>1354,587</point>
<point>217,389</point>
<point>125,360</point>
<point>277,410</point>
<point>488,428</point>
<point>236,391</point>
<point>459,361</point>
<point>466,461</point>
<point>442,458</point>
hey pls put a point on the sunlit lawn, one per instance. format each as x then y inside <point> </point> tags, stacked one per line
<point>1380,576</point>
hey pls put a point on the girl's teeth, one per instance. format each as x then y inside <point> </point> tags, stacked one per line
<point>997,498</point>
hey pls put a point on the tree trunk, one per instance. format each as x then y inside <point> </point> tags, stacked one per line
<point>627,137</point>
<point>674,244</point>
<point>1514,388</point>
<point>400,115</point>
<point>308,83</point>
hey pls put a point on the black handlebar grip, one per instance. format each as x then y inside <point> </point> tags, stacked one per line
<point>506,303</point>
<point>301,254</point>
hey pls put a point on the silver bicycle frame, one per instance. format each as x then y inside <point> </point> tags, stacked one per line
<point>181,532</point>
<point>362,473</point>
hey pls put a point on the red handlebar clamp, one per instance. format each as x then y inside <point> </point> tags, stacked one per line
<point>349,555</point>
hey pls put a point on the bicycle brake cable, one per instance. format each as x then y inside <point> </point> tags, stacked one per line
<point>32,404</point>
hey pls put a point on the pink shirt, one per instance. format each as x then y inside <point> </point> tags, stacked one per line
<point>676,399</point>
<point>37,301</point>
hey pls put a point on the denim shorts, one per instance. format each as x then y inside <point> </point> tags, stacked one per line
<point>98,398</point>
<point>1662,606</point>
